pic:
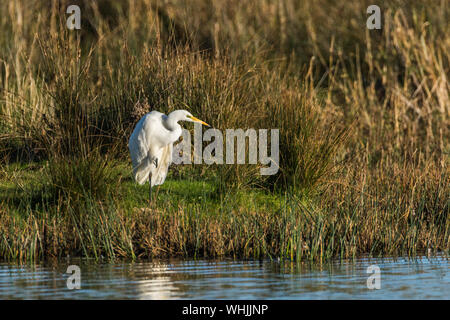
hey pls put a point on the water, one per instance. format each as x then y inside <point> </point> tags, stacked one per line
<point>421,278</point>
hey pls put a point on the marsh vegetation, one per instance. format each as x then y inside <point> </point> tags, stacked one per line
<point>363,118</point>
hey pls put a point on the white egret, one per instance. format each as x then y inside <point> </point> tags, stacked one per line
<point>151,145</point>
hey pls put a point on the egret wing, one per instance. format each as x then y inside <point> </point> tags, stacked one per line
<point>140,144</point>
<point>159,174</point>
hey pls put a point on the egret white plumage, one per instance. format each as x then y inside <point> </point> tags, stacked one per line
<point>151,145</point>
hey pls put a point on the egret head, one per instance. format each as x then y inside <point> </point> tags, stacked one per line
<point>189,117</point>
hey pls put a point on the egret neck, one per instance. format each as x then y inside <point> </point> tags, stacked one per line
<point>171,124</point>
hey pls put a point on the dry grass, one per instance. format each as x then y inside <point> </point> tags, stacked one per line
<point>363,118</point>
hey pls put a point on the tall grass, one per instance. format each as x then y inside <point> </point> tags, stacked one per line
<point>363,118</point>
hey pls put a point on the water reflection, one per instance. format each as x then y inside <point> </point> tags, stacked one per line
<point>422,278</point>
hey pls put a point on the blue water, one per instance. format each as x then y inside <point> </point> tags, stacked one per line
<point>400,278</point>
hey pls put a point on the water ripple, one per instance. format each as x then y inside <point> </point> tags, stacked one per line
<point>401,278</point>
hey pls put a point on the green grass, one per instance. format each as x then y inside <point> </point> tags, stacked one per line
<point>22,183</point>
<point>190,218</point>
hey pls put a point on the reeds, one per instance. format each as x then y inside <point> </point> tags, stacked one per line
<point>363,118</point>
<point>297,230</point>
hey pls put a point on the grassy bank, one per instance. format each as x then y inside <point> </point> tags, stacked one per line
<point>190,218</point>
<point>363,118</point>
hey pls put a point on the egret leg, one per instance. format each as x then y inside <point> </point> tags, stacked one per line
<point>155,162</point>
<point>150,187</point>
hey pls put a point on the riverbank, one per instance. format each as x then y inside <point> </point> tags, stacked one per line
<point>362,117</point>
<point>191,219</point>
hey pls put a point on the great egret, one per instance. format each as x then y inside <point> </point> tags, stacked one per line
<point>151,145</point>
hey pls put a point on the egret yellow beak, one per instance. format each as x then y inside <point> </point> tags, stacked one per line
<point>198,120</point>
